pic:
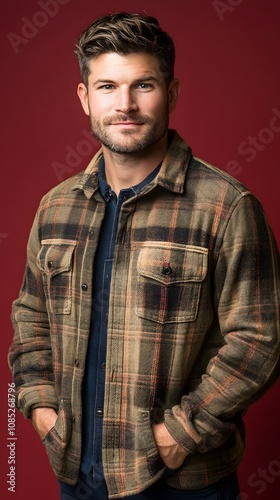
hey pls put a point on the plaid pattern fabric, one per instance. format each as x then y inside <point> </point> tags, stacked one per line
<point>193,327</point>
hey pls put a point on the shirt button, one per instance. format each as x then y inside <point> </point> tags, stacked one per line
<point>77,362</point>
<point>166,270</point>
<point>73,419</point>
<point>99,412</point>
<point>91,233</point>
<point>84,287</point>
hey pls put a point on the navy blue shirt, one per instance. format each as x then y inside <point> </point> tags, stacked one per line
<point>94,379</point>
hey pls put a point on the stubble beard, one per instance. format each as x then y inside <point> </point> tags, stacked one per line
<point>156,130</point>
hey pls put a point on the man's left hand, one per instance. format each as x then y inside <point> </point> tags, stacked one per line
<point>172,454</point>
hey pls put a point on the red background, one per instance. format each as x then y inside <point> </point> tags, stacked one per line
<point>228,63</point>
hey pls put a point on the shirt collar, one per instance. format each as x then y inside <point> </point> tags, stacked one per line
<point>105,189</point>
<point>171,175</point>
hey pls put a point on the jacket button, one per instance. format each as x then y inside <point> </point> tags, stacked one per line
<point>77,362</point>
<point>166,270</point>
<point>50,264</point>
<point>84,287</point>
<point>99,412</point>
<point>73,419</point>
<point>103,365</point>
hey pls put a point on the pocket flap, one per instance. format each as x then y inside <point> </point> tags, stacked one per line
<point>55,256</point>
<point>172,264</point>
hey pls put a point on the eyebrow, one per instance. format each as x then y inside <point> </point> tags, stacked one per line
<point>143,78</point>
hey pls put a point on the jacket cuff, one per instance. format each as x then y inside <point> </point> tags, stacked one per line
<point>197,433</point>
<point>36,397</point>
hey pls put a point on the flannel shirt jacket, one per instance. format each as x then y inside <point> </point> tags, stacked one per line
<point>193,326</point>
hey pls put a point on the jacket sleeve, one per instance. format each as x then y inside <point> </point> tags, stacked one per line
<point>246,301</point>
<point>30,354</point>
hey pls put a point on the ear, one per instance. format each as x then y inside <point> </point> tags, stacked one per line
<point>173,93</point>
<point>83,96</point>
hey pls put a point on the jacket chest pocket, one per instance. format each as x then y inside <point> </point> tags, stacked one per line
<point>170,277</point>
<point>55,262</point>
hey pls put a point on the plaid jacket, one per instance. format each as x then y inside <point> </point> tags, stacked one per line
<point>193,327</point>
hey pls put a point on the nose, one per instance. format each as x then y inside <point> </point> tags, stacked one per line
<point>126,101</point>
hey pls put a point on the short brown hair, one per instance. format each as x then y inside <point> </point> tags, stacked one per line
<point>125,33</point>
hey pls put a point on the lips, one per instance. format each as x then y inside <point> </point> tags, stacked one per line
<point>125,120</point>
<point>125,124</point>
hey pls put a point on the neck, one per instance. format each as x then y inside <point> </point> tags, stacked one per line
<point>128,169</point>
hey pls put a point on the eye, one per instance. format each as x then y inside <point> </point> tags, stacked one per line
<point>144,86</point>
<point>107,86</point>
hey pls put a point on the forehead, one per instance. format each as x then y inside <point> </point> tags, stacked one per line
<point>112,65</point>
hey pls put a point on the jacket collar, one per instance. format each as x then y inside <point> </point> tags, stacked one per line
<point>171,176</point>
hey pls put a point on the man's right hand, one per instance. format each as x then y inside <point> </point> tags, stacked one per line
<point>43,419</point>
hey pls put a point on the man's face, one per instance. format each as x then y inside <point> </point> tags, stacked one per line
<point>128,101</point>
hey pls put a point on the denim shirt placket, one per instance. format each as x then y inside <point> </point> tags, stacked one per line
<point>94,380</point>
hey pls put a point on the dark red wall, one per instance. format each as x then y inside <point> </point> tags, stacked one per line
<point>229,112</point>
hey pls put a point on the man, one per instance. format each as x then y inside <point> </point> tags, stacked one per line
<point>148,320</point>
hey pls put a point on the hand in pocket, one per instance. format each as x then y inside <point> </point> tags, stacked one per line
<point>172,454</point>
<point>43,419</point>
